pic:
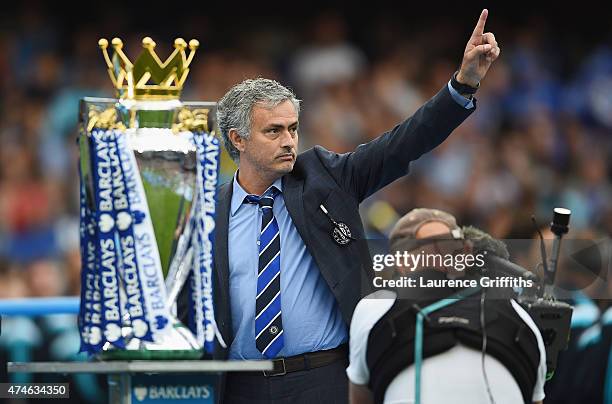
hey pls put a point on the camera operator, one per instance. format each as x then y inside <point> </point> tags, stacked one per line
<point>461,363</point>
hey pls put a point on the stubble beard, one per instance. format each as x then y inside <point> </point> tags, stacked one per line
<point>271,170</point>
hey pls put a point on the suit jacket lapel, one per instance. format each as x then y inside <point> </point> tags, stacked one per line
<point>293,192</point>
<point>222,258</point>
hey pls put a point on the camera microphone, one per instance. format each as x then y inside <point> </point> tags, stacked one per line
<point>496,253</point>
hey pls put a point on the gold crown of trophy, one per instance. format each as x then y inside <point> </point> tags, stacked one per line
<point>149,166</point>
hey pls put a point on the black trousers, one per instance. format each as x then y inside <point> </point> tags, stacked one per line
<point>324,385</point>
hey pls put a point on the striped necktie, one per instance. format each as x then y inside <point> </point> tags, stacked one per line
<point>269,337</point>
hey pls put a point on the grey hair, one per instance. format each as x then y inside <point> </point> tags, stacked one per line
<point>235,108</point>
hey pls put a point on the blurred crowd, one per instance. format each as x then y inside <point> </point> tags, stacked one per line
<point>540,137</point>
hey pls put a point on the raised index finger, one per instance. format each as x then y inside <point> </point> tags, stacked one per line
<point>479,30</point>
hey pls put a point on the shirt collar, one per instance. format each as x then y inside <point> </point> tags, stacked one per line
<point>238,193</point>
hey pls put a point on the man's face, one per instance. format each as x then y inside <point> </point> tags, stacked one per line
<point>272,147</point>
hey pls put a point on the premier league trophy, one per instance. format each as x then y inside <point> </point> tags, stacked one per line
<point>148,176</point>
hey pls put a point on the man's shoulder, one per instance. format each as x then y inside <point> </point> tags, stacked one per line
<point>322,163</point>
<point>315,161</point>
<point>318,153</point>
<point>226,186</point>
<point>372,307</point>
<point>224,191</point>
<point>378,301</point>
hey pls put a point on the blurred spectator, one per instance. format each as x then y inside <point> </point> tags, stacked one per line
<point>328,59</point>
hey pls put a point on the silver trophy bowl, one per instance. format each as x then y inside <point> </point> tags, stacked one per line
<point>167,168</point>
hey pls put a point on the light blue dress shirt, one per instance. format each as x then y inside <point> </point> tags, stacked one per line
<point>312,320</point>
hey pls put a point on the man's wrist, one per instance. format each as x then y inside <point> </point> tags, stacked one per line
<point>464,86</point>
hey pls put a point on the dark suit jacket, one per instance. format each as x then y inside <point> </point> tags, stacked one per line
<point>340,182</point>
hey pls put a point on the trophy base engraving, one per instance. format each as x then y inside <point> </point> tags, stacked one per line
<point>178,344</point>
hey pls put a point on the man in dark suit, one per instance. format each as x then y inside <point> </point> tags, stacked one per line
<point>291,261</point>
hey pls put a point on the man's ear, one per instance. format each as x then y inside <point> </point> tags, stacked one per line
<point>237,140</point>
